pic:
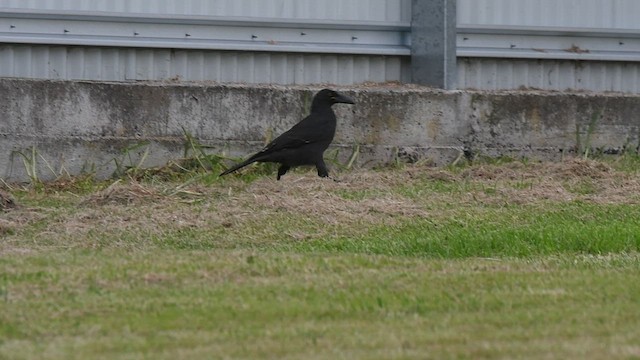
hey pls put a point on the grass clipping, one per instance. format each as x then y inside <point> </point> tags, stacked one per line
<point>7,201</point>
<point>336,202</point>
<point>124,194</point>
<point>361,198</point>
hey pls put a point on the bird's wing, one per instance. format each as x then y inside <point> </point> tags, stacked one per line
<point>303,133</point>
<point>299,135</point>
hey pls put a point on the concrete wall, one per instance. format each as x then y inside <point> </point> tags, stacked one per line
<point>86,126</point>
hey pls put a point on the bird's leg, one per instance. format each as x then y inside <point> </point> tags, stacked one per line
<point>322,168</point>
<point>282,170</point>
<point>323,171</point>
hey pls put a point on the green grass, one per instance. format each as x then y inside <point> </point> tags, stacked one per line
<point>387,266</point>
<point>506,231</point>
<point>107,304</point>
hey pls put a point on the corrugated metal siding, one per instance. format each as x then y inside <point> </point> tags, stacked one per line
<point>551,74</point>
<point>120,64</point>
<point>364,10</point>
<point>90,62</point>
<point>126,64</point>
<point>64,61</point>
<point>497,74</point>
<point>618,14</point>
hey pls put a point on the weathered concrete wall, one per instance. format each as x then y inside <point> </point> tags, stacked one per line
<point>86,126</point>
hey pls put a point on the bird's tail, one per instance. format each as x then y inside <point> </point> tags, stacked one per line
<point>238,166</point>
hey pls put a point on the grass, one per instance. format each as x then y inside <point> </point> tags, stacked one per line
<point>508,231</point>
<point>504,260</point>
<point>240,303</point>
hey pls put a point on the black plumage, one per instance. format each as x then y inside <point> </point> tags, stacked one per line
<point>306,141</point>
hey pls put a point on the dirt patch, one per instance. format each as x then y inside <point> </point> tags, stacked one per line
<point>6,201</point>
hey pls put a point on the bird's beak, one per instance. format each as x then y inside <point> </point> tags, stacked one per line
<point>343,99</point>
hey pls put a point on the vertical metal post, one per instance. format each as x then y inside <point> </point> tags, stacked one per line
<point>433,43</point>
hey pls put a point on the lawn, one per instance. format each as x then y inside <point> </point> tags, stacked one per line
<point>510,260</point>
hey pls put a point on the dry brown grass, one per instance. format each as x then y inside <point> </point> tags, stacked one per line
<point>574,179</point>
<point>362,197</point>
<point>313,197</point>
<point>124,194</point>
<point>6,201</point>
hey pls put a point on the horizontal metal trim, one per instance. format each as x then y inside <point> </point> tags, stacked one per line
<point>548,43</point>
<point>236,45</point>
<point>195,32</point>
<point>546,31</point>
<point>85,28</point>
<point>204,20</point>
<point>547,55</point>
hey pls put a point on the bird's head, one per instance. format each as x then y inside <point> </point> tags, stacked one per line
<point>328,96</point>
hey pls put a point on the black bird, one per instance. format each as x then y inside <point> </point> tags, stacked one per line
<point>306,141</point>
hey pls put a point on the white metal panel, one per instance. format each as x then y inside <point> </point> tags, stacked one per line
<point>113,64</point>
<point>549,44</point>
<point>128,64</point>
<point>500,74</point>
<point>367,10</point>
<point>616,14</point>
<point>555,26</point>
